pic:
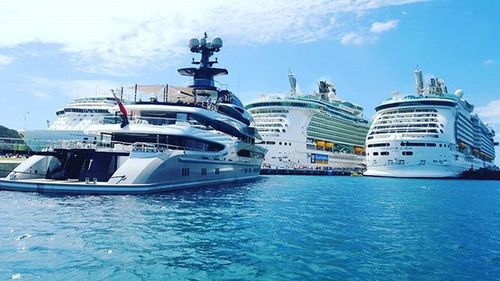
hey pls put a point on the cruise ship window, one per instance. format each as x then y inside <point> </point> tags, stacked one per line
<point>375,153</point>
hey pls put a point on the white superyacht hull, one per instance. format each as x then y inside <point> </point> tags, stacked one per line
<point>153,173</point>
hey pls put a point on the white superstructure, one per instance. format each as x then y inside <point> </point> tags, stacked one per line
<point>71,121</point>
<point>430,134</point>
<point>317,131</point>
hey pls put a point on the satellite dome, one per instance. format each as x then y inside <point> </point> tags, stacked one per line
<point>459,93</point>
<point>203,41</point>
<point>193,43</point>
<point>217,42</point>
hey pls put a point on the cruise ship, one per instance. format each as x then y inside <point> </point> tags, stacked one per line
<point>71,121</point>
<point>199,136</point>
<point>432,134</point>
<point>314,131</point>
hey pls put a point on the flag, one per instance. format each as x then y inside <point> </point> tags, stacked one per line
<point>123,110</point>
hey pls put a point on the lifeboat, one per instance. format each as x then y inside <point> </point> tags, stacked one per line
<point>320,143</point>
<point>329,145</point>
<point>359,150</point>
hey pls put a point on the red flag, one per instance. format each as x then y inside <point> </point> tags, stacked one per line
<point>123,111</point>
<point>121,106</point>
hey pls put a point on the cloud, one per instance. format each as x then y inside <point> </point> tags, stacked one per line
<point>380,27</point>
<point>41,95</point>
<point>490,113</point>
<point>39,87</point>
<point>489,61</point>
<point>353,38</point>
<point>5,60</point>
<point>119,37</point>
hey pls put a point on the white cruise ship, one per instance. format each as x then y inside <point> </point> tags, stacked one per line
<point>430,134</point>
<point>71,121</point>
<point>199,136</point>
<point>316,131</point>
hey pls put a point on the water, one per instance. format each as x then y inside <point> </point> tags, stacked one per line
<point>275,228</point>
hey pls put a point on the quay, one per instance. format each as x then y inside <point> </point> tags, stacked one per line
<point>482,174</point>
<point>312,172</point>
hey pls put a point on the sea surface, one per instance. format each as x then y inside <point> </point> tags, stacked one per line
<point>274,228</point>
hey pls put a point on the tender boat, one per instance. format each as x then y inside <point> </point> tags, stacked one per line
<point>198,136</point>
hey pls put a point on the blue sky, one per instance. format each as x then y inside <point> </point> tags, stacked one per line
<point>54,51</point>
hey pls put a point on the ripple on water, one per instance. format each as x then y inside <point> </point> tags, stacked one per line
<point>275,228</point>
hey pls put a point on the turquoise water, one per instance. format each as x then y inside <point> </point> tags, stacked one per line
<point>274,228</point>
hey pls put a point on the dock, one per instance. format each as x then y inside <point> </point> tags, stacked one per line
<point>482,174</point>
<point>309,172</point>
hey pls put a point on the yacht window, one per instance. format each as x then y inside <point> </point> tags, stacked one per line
<point>375,153</point>
<point>217,171</point>
<point>203,171</point>
<point>385,153</point>
<point>250,154</point>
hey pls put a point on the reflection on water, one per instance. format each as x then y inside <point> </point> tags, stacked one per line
<point>274,228</point>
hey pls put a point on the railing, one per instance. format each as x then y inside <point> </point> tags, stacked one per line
<point>158,147</point>
<point>13,145</point>
<point>115,146</point>
<point>153,121</point>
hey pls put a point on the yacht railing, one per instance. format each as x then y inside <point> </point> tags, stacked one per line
<point>152,121</point>
<point>159,147</point>
<point>116,146</point>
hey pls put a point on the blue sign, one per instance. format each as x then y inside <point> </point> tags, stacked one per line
<point>319,158</point>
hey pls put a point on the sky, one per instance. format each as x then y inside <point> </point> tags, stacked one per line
<point>54,51</point>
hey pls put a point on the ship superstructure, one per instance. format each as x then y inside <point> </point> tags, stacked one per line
<point>71,121</point>
<point>430,134</point>
<point>314,131</point>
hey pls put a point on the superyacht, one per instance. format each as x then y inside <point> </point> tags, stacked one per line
<point>430,134</point>
<point>315,131</point>
<point>199,136</point>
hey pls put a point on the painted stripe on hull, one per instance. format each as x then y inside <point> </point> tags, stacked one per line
<point>82,188</point>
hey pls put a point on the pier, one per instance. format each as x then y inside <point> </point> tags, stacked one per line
<point>482,174</point>
<point>310,172</point>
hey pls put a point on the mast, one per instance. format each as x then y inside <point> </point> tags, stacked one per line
<point>203,75</point>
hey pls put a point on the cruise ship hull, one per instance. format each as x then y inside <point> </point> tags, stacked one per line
<point>432,135</point>
<point>414,172</point>
<point>299,133</point>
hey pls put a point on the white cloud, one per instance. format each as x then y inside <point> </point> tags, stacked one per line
<point>379,27</point>
<point>39,87</point>
<point>489,61</point>
<point>120,36</point>
<point>490,113</point>
<point>352,38</point>
<point>41,95</point>
<point>5,60</point>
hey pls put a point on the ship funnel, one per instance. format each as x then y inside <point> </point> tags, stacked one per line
<point>293,83</point>
<point>419,81</point>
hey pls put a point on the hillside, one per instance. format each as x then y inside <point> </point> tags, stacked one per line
<point>8,133</point>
